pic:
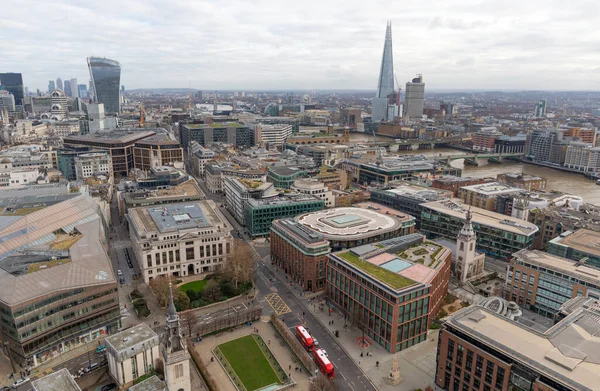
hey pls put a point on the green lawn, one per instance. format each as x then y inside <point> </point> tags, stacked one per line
<point>197,286</point>
<point>249,363</point>
<point>394,280</point>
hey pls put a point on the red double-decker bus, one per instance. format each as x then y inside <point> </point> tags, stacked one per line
<point>323,362</point>
<point>305,339</point>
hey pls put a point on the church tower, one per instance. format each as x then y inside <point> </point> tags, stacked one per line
<point>466,257</point>
<point>174,351</point>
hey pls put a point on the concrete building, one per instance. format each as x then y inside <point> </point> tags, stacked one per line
<point>91,164</point>
<point>238,191</point>
<point>216,172</point>
<point>366,223</point>
<point>583,157</point>
<point>57,287</point>
<point>333,178</point>
<point>179,239</point>
<point>408,198</point>
<point>414,97</point>
<point>229,132</point>
<point>523,181</point>
<point>59,380</point>
<point>283,177</point>
<point>273,135</point>
<point>485,138</point>
<point>7,101</point>
<point>132,353</point>
<point>585,135</point>
<point>315,188</point>
<point>259,213</point>
<point>542,283</point>
<point>484,195</point>
<point>159,150</point>
<point>324,154</point>
<point>65,128</point>
<point>479,349</point>
<point>544,145</point>
<point>199,157</point>
<point>582,246</point>
<point>497,235</point>
<point>58,108</point>
<point>453,183</point>
<point>300,253</point>
<point>391,290</point>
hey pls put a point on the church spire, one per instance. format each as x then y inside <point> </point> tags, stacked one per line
<point>467,229</point>
<point>172,310</point>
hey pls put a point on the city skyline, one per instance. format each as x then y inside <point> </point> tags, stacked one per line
<point>471,45</point>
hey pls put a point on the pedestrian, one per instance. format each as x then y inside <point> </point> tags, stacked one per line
<point>361,354</point>
<point>290,367</point>
<point>377,364</point>
<point>332,322</point>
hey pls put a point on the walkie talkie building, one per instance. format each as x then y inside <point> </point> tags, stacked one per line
<point>106,79</point>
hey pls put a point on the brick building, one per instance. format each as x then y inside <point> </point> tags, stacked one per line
<point>454,183</point>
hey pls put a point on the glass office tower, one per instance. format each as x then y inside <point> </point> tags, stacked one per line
<point>106,80</point>
<point>13,83</point>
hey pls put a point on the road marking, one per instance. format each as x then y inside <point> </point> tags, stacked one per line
<point>277,303</point>
<point>343,375</point>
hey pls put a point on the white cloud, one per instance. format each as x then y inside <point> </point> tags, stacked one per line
<point>270,44</point>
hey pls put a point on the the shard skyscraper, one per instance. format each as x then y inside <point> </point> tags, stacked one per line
<point>384,103</point>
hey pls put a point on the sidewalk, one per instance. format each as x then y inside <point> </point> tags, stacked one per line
<point>417,364</point>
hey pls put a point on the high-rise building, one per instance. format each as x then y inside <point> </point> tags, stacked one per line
<point>51,85</point>
<point>82,91</point>
<point>13,83</point>
<point>415,97</point>
<point>384,107</point>
<point>68,91</point>
<point>59,83</point>
<point>7,101</point>
<point>74,88</point>
<point>540,109</point>
<point>106,79</point>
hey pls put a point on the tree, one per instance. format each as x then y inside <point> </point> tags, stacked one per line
<point>181,300</point>
<point>241,264</point>
<point>211,294</point>
<point>160,287</point>
<point>357,319</point>
<point>321,383</point>
<point>189,321</point>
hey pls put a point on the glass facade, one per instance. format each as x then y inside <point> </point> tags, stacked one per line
<point>259,218</point>
<point>13,83</point>
<point>106,79</point>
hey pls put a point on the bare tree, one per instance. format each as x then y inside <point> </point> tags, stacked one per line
<point>160,287</point>
<point>189,321</point>
<point>241,263</point>
<point>321,383</point>
<point>357,319</point>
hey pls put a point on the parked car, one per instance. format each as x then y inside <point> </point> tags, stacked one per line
<point>20,382</point>
<point>91,367</point>
<point>4,388</point>
<point>108,387</point>
<point>101,349</point>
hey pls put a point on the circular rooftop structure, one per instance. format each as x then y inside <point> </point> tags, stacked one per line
<point>346,224</point>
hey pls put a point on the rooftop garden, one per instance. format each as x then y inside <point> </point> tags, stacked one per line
<point>22,211</point>
<point>251,184</point>
<point>34,267</point>
<point>425,254</point>
<point>388,277</point>
<point>64,242</point>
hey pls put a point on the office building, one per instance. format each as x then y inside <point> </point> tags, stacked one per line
<point>106,79</point>
<point>283,177</point>
<point>414,97</point>
<point>584,135</point>
<point>239,190</point>
<point>523,181</point>
<point>82,91</point>
<point>314,187</point>
<point>132,353</point>
<point>583,157</point>
<point>59,108</point>
<point>365,223</point>
<point>384,107</point>
<point>392,290</point>
<point>408,198</point>
<point>59,84</point>
<point>67,89</point>
<point>119,143</point>
<point>582,245</point>
<point>161,149</point>
<point>510,144</point>
<point>51,86</point>
<point>74,88</point>
<point>540,109</point>
<point>542,282</point>
<point>545,145</point>
<point>180,239</point>
<point>57,287</point>
<point>13,83</point>
<point>92,164</point>
<point>479,349</point>
<point>273,135</point>
<point>229,132</point>
<point>199,157</point>
<point>216,172</point>
<point>484,195</point>
<point>7,102</point>
<point>300,253</point>
<point>497,235</point>
<point>453,183</point>
<point>485,139</point>
<point>259,213</point>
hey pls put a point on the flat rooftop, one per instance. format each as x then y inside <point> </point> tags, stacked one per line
<point>569,352</point>
<point>418,192</point>
<point>59,380</point>
<point>455,208</point>
<point>131,341</point>
<point>583,240</point>
<point>175,217</point>
<point>559,264</point>
<point>188,189</point>
<point>391,278</point>
<point>520,176</point>
<point>349,223</point>
<point>151,384</point>
<point>113,136</point>
<point>492,188</point>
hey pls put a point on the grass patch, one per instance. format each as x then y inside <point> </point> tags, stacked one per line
<point>23,211</point>
<point>34,267</point>
<point>196,286</point>
<point>379,245</point>
<point>390,278</point>
<point>420,251</point>
<point>249,363</point>
<point>64,242</point>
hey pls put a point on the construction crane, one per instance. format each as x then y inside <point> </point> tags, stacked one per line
<point>398,96</point>
<point>379,153</point>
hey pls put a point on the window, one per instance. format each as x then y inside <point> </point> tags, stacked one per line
<point>178,371</point>
<point>469,363</point>
<point>500,378</point>
<point>489,372</point>
<point>451,350</point>
<point>479,366</point>
<point>459,354</point>
<point>149,258</point>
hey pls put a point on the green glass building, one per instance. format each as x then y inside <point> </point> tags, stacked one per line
<point>260,213</point>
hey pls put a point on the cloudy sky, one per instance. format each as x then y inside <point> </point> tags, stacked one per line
<point>245,45</point>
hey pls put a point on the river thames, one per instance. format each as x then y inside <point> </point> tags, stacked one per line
<point>557,180</point>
